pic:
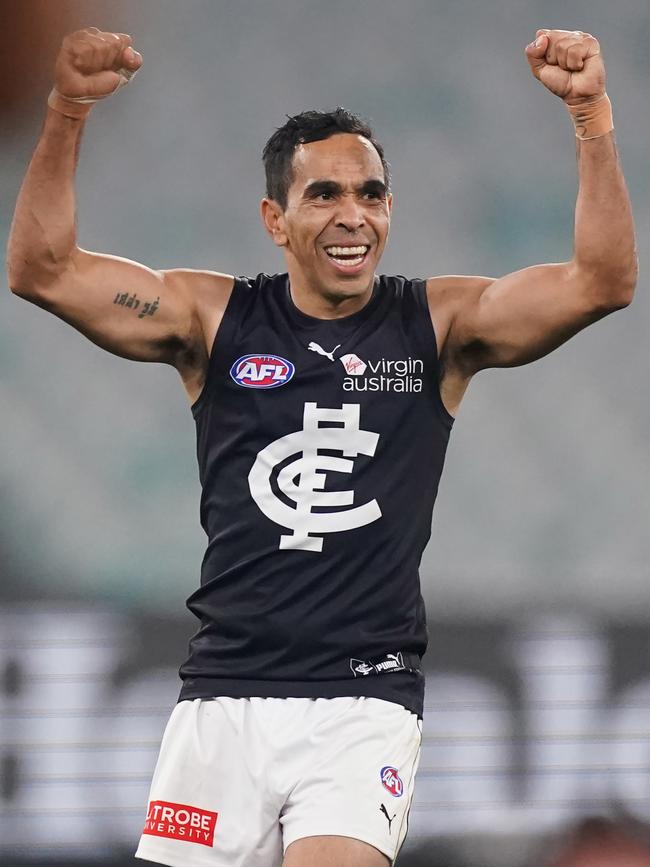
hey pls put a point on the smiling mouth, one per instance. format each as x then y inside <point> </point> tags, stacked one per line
<point>347,256</point>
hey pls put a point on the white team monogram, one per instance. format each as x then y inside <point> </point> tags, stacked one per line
<point>310,469</point>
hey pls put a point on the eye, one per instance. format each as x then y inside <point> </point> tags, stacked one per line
<point>325,197</point>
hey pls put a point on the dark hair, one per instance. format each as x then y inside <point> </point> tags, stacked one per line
<point>307,127</point>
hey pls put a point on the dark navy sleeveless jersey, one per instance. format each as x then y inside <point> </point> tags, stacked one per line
<point>320,448</point>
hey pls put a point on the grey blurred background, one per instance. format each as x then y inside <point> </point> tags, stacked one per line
<point>536,577</point>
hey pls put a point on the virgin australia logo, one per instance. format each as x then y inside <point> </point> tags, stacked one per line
<point>387,374</point>
<point>289,495</point>
<point>353,365</point>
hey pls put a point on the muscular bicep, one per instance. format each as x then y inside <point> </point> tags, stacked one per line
<point>523,316</point>
<point>126,308</point>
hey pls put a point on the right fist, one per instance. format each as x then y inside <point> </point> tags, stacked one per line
<point>93,64</point>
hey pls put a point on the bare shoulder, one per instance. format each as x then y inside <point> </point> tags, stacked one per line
<point>448,297</point>
<point>203,286</point>
<point>207,293</point>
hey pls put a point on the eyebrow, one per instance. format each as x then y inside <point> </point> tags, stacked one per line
<point>317,188</point>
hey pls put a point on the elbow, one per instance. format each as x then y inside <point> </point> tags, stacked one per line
<point>622,288</point>
<point>21,285</point>
<point>29,289</point>
<point>21,275</point>
<point>18,270</point>
<point>627,282</point>
<point>13,270</point>
<point>626,298</point>
<point>17,282</point>
<point>609,291</point>
<point>32,292</point>
<point>615,300</point>
<point>31,280</point>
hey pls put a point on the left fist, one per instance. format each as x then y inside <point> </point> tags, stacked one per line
<point>569,64</point>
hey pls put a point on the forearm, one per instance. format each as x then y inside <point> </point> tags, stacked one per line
<point>604,227</point>
<point>43,232</point>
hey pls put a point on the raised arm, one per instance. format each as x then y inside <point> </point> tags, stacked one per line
<point>129,309</point>
<point>524,315</point>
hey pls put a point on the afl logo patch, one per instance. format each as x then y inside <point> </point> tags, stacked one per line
<point>392,781</point>
<point>262,371</point>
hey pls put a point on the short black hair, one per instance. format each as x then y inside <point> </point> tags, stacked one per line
<point>306,127</point>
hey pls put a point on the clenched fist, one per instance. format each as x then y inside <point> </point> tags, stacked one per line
<point>569,64</point>
<point>91,65</point>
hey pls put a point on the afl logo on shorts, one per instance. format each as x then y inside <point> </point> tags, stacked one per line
<point>392,781</point>
<point>262,371</point>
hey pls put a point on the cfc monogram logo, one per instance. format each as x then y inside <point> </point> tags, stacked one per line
<point>303,475</point>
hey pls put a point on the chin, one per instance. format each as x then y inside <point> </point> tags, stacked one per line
<point>348,287</point>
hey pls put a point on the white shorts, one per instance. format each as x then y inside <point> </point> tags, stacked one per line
<point>239,779</point>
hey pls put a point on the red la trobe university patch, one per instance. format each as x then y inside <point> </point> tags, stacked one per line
<point>180,822</point>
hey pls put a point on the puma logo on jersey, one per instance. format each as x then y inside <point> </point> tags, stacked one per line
<point>387,662</point>
<point>316,347</point>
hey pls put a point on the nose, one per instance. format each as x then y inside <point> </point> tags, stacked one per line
<point>350,214</point>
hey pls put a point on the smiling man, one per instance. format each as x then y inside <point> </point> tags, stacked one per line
<point>328,206</point>
<point>323,399</point>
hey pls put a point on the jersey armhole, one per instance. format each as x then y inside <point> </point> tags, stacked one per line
<point>429,332</point>
<point>224,331</point>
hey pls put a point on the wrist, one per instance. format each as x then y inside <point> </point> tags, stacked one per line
<point>592,117</point>
<point>77,108</point>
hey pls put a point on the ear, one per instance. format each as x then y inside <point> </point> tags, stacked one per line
<point>389,202</point>
<point>273,220</point>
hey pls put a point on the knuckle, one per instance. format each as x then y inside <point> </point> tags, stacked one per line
<point>81,51</point>
<point>107,38</point>
<point>101,34</point>
<point>76,38</point>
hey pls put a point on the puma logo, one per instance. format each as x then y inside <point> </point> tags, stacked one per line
<point>315,347</point>
<point>383,810</point>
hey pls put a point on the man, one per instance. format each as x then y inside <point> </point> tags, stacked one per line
<point>323,399</point>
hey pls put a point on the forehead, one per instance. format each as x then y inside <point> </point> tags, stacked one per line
<point>339,157</point>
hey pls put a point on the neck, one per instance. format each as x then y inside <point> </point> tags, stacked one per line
<point>324,304</point>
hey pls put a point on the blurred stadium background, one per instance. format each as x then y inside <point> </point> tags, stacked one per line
<point>537,726</point>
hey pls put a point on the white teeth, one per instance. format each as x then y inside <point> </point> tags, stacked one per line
<point>347,251</point>
<point>357,261</point>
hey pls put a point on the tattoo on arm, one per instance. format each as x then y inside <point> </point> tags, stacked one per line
<point>124,299</point>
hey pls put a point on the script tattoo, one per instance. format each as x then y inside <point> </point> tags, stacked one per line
<point>124,299</point>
